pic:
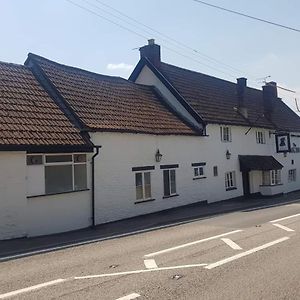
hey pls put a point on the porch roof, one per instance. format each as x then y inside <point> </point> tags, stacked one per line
<point>258,162</point>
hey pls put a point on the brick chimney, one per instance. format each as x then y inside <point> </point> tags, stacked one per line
<point>240,90</point>
<point>269,96</point>
<point>152,52</point>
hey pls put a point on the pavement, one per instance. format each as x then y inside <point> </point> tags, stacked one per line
<point>250,253</point>
<point>16,248</point>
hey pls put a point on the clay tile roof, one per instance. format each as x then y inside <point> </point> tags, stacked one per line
<point>106,103</point>
<point>28,116</point>
<point>214,100</point>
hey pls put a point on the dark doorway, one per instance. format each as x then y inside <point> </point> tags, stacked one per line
<point>246,184</point>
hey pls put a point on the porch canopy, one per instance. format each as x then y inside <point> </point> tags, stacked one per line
<point>258,162</point>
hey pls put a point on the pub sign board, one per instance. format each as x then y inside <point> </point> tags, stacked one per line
<point>283,143</point>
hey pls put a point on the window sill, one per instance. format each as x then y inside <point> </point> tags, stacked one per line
<point>271,184</point>
<point>231,189</point>
<point>53,194</point>
<point>196,178</point>
<point>171,196</point>
<point>143,201</point>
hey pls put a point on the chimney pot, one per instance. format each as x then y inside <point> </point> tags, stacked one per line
<point>151,42</point>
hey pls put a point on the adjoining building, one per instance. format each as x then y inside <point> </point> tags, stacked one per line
<point>79,148</point>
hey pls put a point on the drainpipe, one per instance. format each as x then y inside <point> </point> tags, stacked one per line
<point>93,184</point>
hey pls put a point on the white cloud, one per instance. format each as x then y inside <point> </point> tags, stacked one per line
<point>120,66</point>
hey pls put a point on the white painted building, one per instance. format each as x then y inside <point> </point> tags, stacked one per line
<point>173,138</point>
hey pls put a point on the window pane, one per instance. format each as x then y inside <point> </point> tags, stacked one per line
<point>173,182</point>
<point>58,179</point>
<point>79,158</point>
<point>139,186</point>
<point>147,183</point>
<point>80,178</point>
<point>201,171</point>
<point>58,158</point>
<point>34,160</point>
<point>166,183</point>
<point>196,172</point>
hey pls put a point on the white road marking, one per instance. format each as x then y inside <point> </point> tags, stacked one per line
<point>231,244</point>
<point>130,297</point>
<point>237,256</point>
<point>283,227</point>
<point>140,271</point>
<point>31,288</point>
<point>285,218</point>
<point>191,243</point>
<point>150,263</point>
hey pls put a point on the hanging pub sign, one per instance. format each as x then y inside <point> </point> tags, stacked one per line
<point>283,143</point>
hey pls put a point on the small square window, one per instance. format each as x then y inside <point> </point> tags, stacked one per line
<point>198,172</point>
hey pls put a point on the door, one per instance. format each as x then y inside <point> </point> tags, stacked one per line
<point>246,184</point>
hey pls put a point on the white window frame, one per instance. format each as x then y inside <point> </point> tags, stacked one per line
<point>143,185</point>
<point>230,180</point>
<point>292,175</point>
<point>226,136</point>
<point>199,170</point>
<point>260,137</point>
<point>273,177</point>
<point>66,163</point>
<point>170,183</point>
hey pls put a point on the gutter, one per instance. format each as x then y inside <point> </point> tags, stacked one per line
<point>93,184</point>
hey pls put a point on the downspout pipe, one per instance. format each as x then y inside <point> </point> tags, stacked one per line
<point>93,184</point>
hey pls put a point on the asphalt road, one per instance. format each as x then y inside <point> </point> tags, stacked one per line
<point>244,255</point>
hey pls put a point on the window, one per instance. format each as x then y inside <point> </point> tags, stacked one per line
<point>63,172</point>
<point>215,170</point>
<point>169,182</point>
<point>272,177</point>
<point>292,175</point>
<point>198,169</point>
<point>230,180</point>
<point>260,137</point>
<point>34,160</point>
<point>225,134</point>
<point>143,185</point>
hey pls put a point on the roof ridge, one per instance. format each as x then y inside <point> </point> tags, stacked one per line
<point>210,76</point>
<point>13,64</point>
<point>35,56</point>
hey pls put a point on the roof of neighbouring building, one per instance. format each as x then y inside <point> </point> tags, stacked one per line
<point>216,100</point>
<point>107,103</point>
<point>29,118</point>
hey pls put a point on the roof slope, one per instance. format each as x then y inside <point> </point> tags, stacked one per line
<point>106,103</point>
<point>214,100</point>
<point>28,116</point>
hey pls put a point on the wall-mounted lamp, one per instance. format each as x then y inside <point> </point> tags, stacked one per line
<point>228,154</point>
<point>158,156</point>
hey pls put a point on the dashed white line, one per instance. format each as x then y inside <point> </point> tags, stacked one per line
<point>237,256</point>
<point>192,243</point>
<point>284,227</point>
<point>285,218</point>
<point>140,271</point>
<point>31,288</point>
<point>231,244</point>
<point>130,297</point>
<point>150,263</point>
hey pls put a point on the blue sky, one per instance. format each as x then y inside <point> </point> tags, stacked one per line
<point>63,32</point>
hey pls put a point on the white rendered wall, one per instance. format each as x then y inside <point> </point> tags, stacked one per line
<point>59,213</point>
<point>13,208</point>
<point>115,181</point>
